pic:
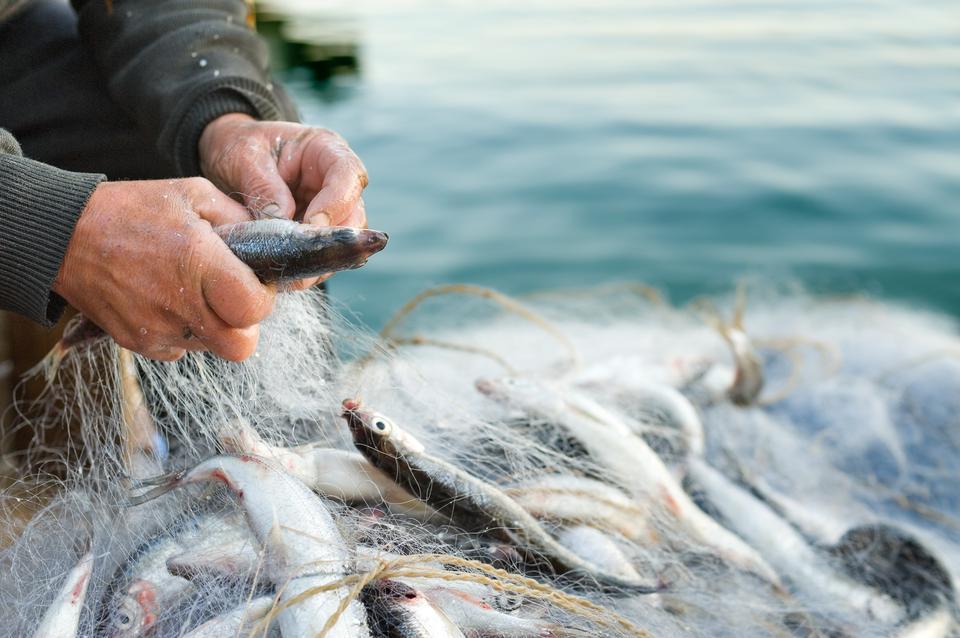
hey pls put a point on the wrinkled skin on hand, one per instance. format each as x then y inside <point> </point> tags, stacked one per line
<point>146,266</point>
<point>285,169</point>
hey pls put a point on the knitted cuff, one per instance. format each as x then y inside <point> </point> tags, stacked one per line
<point>230,95</point>
<point>39,207</point>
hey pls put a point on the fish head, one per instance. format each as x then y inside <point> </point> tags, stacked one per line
<point>346,248</point>
<point>370,242</point>
<point>373,431</point>
<point>410,610</point>
<point>133,614</point>
<point>393,590</point>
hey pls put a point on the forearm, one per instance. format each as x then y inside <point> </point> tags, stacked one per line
<point>177,65</point>
<point>39,207</point>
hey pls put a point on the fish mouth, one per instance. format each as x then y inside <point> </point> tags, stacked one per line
<point>372,241</point>
<point>351,414</point>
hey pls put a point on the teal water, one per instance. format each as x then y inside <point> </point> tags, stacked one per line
<point>684,143</point>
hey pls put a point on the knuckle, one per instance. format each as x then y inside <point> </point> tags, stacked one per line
<point>195,184</point>
<point>201,187</point>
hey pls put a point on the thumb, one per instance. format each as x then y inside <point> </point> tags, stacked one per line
<point>265,194</point>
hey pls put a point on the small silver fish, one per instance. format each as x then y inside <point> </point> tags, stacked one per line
<point>143,588</point>
<point>478,619</point>
<point>577,500</point>
<point>232,553</point>
<point>472,503</point>
<point>277,250</point>
<point>144,448</point>
<point>397,610</point>
<point>341,474</point>
<point>63,614</point>
<point>281,250</point>
<point>302,544</point>
<point>236,622</point>
<point>628,459</point>
<point>786,548</point>
<point>598,548</point>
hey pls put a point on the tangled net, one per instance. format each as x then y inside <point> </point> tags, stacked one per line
<point>822,502</point>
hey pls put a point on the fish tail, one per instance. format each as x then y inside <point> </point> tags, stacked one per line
<point>163,484</point>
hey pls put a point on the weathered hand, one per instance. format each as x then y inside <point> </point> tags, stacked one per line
<point>284,169</point>
<point>146,266</point>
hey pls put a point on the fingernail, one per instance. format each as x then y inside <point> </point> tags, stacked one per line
<point>270,210</point>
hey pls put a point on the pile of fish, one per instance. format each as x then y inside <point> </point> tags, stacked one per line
<point>668,478</point>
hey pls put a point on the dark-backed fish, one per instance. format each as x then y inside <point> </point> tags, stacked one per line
<point>472,503</point>
<point>277,250</point>
<point>397,610</point>
<point>280,250</point>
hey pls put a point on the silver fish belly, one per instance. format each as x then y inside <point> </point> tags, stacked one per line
<point>63,615</point>
<point>398,610</point>
<point>236,622</point>
<point>302,545</point>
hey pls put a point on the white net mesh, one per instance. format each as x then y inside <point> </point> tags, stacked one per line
<point>828,507</point>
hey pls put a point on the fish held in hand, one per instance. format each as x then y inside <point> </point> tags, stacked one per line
<point>280,250</point>
<point>277,250</point>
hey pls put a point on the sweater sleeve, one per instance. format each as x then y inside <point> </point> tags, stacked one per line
<point>176,65</point>
<point>39,207</point>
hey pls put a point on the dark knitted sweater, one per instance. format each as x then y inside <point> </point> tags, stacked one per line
<point>173,66</point>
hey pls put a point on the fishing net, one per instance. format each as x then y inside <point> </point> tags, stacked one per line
<point>826,506</point>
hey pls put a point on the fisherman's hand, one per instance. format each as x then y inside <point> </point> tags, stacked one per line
<point>284,169</point>
<point>146,266</point>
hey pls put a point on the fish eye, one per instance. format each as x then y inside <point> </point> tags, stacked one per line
<point>508,601</point>
<point>382,426</point>
<point>124,620</point>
